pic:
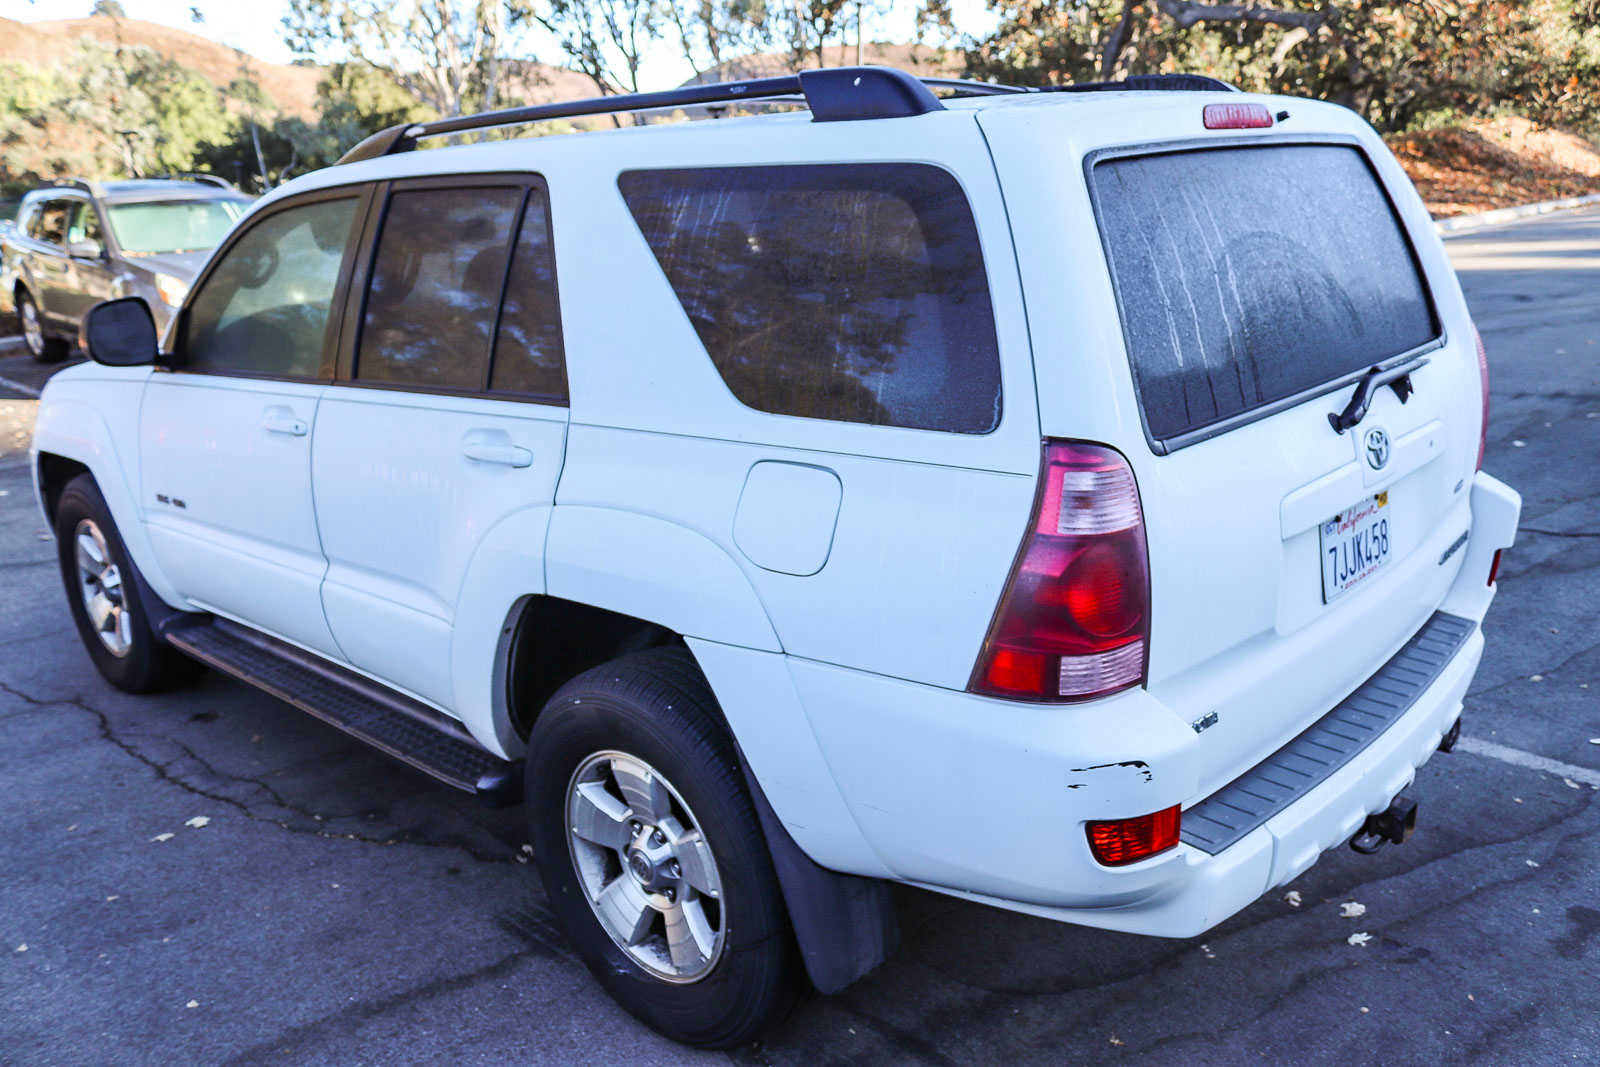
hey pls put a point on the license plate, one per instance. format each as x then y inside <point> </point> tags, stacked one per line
<point>1355,543</point>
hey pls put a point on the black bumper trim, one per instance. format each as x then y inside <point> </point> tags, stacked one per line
<point>1230,813</point>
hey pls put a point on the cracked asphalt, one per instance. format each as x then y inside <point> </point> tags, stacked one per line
<point>337,907</point>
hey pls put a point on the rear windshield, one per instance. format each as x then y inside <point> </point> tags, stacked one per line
<point>1248,275</point>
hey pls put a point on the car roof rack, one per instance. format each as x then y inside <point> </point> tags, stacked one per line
<point>92,188</point>
<point>195,176</point>
<point>1142,83</point>
<point>833,94</point>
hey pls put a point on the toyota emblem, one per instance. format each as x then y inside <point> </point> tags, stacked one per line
<point>1377,449</point>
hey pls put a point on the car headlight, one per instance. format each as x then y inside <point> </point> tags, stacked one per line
<point>170,289</point>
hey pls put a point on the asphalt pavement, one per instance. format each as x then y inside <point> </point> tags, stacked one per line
<point>212,877</point>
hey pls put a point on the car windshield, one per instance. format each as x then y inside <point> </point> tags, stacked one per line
<point>167,226</point>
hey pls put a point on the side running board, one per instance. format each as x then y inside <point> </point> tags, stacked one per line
<point>393,723</point>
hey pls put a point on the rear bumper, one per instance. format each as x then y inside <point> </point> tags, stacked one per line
<point>986,800</point>
<point>1201,890</point>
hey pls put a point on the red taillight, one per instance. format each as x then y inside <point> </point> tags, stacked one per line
<point>1494,565</point>
<point>1483,378</point>
<point>1074,619</point>
<point>1237,117</point>
<point>1120,842</point>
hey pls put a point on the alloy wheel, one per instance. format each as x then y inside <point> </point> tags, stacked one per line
<point>100,585</point>
<point>645,866</point>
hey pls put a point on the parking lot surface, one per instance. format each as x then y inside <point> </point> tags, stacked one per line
<point>211,876</point>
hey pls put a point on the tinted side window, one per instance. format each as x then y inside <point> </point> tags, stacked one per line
<point>265,307</point>
<point>528,353</point>
<point>849,292</point>
<point>50,224</point>
<point>85,224</point>
<point>436,281</point>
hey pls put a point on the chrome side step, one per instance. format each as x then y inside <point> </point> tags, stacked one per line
<point>1329,743</point>
<point>393,723</point>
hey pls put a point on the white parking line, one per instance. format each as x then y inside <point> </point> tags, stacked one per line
<point>19,387</point>
<point>1505,754</point>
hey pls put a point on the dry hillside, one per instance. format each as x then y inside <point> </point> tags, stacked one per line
<point>39,44</point>
<point>1494,163</point>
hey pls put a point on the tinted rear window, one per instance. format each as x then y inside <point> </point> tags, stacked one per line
<point>1248,275</point>
<point>436,282</point>
<point>853,292</point>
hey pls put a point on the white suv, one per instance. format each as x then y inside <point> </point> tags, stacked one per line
<point>1064,500</point>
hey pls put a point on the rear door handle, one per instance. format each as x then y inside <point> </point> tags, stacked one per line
<point>282,420</point>
<point>492,452</point>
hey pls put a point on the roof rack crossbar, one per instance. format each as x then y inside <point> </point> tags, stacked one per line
<point>834,94</point>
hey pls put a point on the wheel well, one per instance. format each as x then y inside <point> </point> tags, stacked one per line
<point>54,474</point>
<point>554,640</point>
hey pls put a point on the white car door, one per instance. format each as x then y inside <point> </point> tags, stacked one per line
<point>452,417</point>
<point>225,436</point>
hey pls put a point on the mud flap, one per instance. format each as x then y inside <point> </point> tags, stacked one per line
<point>845,924</point>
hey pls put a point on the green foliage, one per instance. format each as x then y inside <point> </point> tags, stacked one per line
<point>147,113</point>
<point>1400,64</point>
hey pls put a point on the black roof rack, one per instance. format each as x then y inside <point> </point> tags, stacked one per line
<point>833,94</point>
<point>195,176</point>
<point>92,188</point>
<point>1138,83</point>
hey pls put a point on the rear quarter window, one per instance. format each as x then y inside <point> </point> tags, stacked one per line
<point>1247,275</point>
<point>851,292</point>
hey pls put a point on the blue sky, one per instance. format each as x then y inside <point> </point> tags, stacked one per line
<point>254,26</point>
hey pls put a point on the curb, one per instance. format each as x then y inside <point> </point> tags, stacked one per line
<point>1466,223</point>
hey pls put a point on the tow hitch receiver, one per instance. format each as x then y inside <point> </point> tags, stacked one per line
<point>1392,825</point>
<point>1447,743</point>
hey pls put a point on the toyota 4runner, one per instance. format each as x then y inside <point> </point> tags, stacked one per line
<point>1068,501</point>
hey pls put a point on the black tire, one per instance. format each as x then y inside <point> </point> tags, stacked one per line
<point>46,349</point>
<point>149,664</point>
<point>656,706</point>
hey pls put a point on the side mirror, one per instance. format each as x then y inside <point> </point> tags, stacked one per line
<point>121,333</point>
<point>86,249</point>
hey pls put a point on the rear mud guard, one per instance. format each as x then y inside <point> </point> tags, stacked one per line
<point>845,924</point>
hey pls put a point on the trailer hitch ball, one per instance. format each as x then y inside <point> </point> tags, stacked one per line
<point>1390,826</point>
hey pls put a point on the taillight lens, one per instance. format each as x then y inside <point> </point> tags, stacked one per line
<point>1074,619</point>
<point>1483,379</point>
<point>1120,842</point>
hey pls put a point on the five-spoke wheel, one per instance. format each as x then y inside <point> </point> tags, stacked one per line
<point>645,865</point>
<point>100,585</point>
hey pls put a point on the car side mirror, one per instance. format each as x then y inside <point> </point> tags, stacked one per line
<point>88,248</point>
<point>121,333</point>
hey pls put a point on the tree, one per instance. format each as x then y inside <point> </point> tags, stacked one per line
<point>446,53</point>
<point>709,32</point>
<point>147,113</point>
<point>109,8</point>
<point>604,39</point>
<point>1395,61</point>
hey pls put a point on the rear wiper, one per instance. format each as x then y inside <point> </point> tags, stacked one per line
<point>1397,378</point>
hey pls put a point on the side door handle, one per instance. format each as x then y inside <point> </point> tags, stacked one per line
<point>279,419</point>
<point>494,446</point>
<point>507,455</point>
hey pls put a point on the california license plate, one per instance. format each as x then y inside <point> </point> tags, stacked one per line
<point>1355,543</point>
